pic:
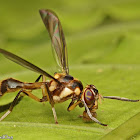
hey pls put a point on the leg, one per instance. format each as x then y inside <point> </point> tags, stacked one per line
<point>16,99</point>
<point>92,110</point>
<point>11,107</point>
<point>28,93</point>
<point>47,93</point>
<point>89,113</point>
<point>44,92</point>
<point>72,105</point>
<point>52,104</point>
<point>38,78</point>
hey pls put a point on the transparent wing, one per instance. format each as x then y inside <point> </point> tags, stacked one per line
<point>25,63</point>
<point>54,28</point>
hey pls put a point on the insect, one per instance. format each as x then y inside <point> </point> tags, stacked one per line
<point>61,86</point>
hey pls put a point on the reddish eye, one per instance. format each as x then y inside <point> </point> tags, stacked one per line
<point>89,96</point>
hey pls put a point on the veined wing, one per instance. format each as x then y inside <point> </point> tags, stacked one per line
<point>25,63</point>
<point>54,28</point>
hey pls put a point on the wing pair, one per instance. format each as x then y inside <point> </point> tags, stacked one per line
<point>54,28</point>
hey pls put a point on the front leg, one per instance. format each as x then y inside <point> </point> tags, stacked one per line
<point>92,110</point>
<point>72,104</point>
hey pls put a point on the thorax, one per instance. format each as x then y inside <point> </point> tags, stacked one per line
<point>70,87</point>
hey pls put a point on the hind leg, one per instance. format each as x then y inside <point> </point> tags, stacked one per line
<point>16,99</point>
<point>11,107</point>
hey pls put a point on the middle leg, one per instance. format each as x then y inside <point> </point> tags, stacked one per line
<point>46,92</point>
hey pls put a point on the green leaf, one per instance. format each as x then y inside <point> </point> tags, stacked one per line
<point>132,131</point>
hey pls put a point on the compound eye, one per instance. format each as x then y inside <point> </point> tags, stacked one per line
<point>96,91</point>
<point>89,96</point>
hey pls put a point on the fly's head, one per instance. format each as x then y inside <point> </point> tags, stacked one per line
<point>90,96</point>
<point>89,100</point>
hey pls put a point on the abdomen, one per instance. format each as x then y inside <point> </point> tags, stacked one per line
<point>10,85</point>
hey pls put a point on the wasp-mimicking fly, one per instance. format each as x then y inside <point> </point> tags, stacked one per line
<point>61,86</point>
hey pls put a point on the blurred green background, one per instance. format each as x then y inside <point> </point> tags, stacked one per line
<point>103,40</point>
